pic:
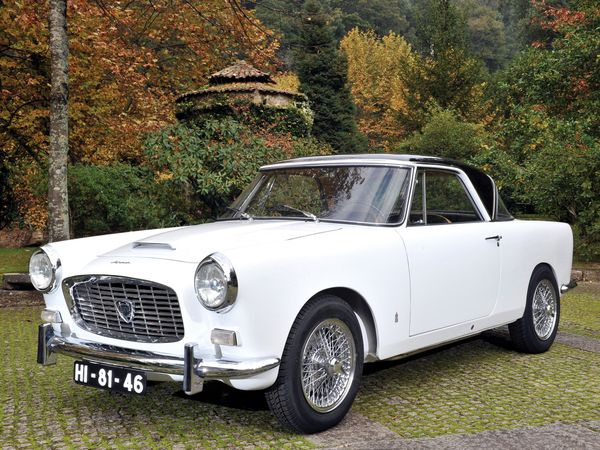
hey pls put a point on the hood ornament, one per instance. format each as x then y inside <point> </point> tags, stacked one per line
<point>125,309</point>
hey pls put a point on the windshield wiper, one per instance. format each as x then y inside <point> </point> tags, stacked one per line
<point>243,215</point>
<point>291,208</point>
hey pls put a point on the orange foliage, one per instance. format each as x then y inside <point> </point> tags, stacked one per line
<point>556,18</point>
<point>127,62</point>
<point>377,68</point>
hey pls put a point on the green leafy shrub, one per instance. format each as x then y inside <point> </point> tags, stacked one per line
<point>445,135</point>
<point>209,163</point>
<point>554,165</point>
<point>110,199</point>
<point>564,181</point>
<point>295,119</point>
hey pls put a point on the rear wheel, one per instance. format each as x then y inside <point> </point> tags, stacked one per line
<point>320,368</point>
<point>536,330</point>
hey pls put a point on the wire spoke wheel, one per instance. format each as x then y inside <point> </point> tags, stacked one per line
<point>320,368</point>
<point>536,330</point>
<point>328,363</point>
<point>544,309</point>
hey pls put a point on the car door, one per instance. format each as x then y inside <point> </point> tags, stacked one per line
<point>453,255</point>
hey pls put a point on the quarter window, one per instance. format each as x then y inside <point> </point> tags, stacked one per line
<point>441,198</point>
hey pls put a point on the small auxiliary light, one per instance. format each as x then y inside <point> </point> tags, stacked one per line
<point>50,316</point>
<point>223,337</point>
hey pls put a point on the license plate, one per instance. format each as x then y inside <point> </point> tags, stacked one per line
<point>119,379</point>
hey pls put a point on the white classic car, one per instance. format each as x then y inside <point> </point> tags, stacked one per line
<point>321,265</point>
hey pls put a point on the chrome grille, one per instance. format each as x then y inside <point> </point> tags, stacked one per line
<point>125,308</point>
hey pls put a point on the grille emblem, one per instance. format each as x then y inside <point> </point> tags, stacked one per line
<point>125,309</point>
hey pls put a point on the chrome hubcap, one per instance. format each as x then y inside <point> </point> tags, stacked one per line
<point>328,362</point>
<point>544,309</point>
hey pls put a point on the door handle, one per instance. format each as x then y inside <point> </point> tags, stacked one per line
<point>497,238</point>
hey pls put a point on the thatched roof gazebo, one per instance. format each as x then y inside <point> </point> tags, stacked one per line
<point>239,89</point>
<point>240,72</point>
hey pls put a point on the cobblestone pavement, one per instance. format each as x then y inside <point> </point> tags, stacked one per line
<point>365,434</point>
<point>472,395</point>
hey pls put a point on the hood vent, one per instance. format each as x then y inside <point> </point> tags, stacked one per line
<point>154,245</point>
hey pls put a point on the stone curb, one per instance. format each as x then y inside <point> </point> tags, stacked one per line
<point>586,275</point>
<point>17,282</point>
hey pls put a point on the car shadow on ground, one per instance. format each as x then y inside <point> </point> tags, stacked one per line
<point>216,393</point>
<point>219,394</point>
<point>498,337</point>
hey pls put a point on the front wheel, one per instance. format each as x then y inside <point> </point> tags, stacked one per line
<point>536,330</point>
<point>320,368</point>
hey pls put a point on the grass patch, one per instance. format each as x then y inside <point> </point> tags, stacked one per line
<point>580,310</point>
<point>15,259</point>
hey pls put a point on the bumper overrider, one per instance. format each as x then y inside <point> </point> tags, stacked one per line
<point>194,368</point>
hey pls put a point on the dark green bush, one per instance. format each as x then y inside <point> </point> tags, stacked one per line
<point>111,199</point>
<point>208,164</point>
<point>445,135</point>
<point>553,165</point>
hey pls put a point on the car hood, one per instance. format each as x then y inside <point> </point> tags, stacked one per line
<point>193,243</point>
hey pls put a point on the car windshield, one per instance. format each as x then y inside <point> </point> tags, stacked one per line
<point>365,194</point>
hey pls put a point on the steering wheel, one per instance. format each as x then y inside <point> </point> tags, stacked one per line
<point>440,218</point>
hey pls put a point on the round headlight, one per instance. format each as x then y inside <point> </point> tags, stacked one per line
<point>42,271</point>
<point>216,283</point>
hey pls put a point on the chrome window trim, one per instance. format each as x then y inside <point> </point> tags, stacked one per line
<point>469,188</point>
<point>475,200</point>
<point>391,164</point>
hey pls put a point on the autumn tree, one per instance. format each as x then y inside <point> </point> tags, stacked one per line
<point>380,16</point>
<point>127,62</point>
<point>322,70</point>
<point>377,69</point>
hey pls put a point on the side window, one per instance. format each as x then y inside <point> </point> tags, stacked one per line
<point>441,198</point>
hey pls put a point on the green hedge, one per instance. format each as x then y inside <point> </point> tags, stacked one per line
<point>110,199</point>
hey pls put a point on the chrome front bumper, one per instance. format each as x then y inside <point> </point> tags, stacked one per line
<point>194,369</point>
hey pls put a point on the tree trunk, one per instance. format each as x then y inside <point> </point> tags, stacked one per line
<point>58,200</point>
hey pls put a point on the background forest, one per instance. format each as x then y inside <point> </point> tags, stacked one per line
<point>509,85</point>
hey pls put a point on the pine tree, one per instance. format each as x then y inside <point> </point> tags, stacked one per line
<point>448,77</point>
<point>323,73</point>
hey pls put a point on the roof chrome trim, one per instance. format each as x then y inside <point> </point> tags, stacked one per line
<point>374,159</point>
<point>335,162</point>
